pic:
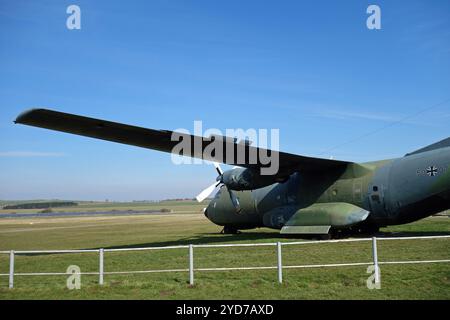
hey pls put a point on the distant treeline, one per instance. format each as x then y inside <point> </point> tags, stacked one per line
<point>164,200</point>
<point>41,205</point>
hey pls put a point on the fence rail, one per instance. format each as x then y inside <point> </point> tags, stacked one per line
<point>101,273</point>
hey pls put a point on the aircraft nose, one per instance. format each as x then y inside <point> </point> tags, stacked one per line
<point>209,212</point>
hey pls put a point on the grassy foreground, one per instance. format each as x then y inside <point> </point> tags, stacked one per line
<point>424,281</point>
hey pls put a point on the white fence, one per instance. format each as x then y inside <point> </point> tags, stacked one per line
<point>191,269</point>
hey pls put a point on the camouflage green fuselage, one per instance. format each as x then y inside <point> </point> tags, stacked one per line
<point>394,191</point>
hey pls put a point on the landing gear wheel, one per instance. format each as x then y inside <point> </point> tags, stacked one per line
<point>325,236</point>
<point>229,230</point>
<point>332,234</point>
<point>369,230</point>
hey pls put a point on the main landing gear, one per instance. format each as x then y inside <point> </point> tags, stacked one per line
<point>229,230</point>
<point>363,230</point>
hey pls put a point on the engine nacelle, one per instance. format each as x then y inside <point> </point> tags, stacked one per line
<point>246,179</point>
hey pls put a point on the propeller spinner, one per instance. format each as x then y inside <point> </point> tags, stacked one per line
<point>219,180</point>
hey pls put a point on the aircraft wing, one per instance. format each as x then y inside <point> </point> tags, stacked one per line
<point>161,140</point>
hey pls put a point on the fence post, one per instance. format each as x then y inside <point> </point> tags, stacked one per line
<point>11,269</point>
<point>191,264</point>
<point>100,272</point>
<point>375,260</point>
<point>280,266</point>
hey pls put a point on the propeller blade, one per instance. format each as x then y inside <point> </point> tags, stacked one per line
<point>218,168</point>
<point>205,193</point>
<point>234,201</point>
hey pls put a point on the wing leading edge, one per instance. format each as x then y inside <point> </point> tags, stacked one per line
<point>161,140</point>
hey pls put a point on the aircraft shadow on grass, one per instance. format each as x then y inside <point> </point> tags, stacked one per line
<point>203,238</point>
<point>251,237</point>
<point>212,238</point>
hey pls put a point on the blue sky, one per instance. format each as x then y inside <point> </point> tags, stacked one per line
<point>311,69</point>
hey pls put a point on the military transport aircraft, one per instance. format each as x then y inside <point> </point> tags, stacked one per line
<point>307,195</point>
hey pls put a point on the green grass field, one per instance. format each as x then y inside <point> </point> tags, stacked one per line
<point>424,281</point>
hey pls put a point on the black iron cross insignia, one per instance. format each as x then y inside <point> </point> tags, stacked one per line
<point>432,171</point>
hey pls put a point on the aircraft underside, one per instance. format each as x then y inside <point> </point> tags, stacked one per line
<point>331,220</point>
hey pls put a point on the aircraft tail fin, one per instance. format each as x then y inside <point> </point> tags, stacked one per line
<point>437,145</point>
